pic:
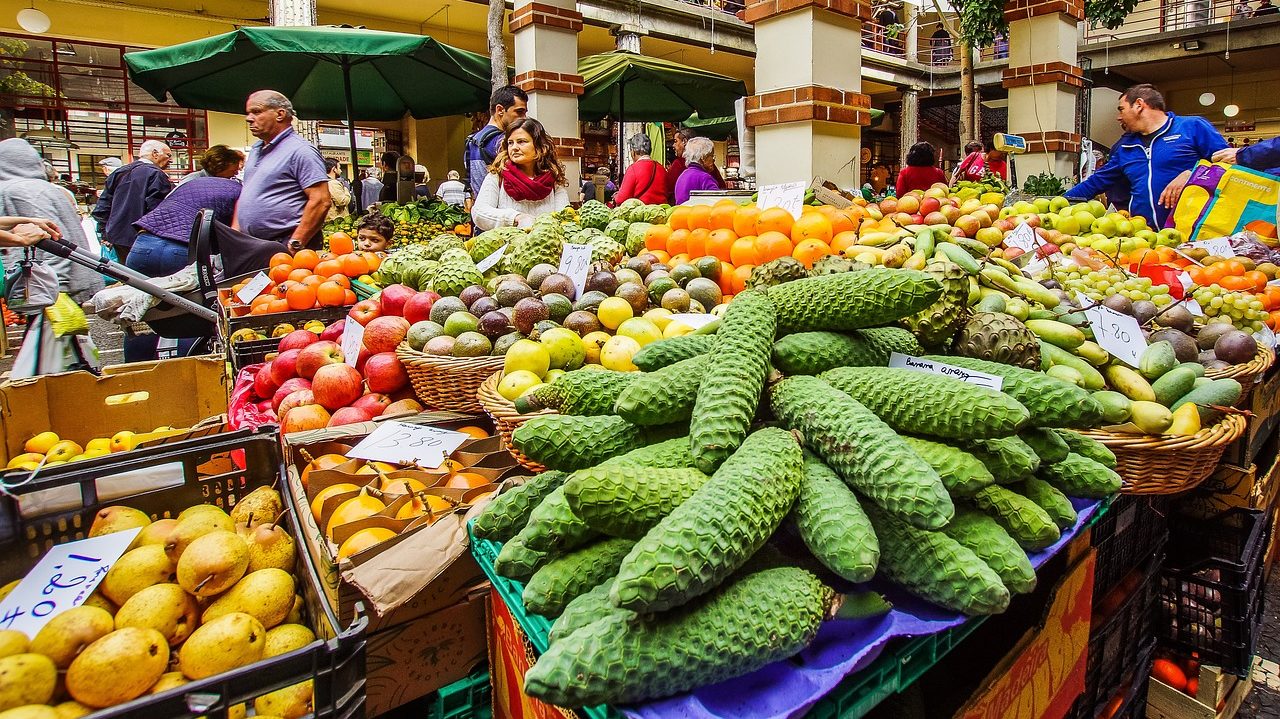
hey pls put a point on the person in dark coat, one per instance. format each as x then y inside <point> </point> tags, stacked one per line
<point>131,192</point>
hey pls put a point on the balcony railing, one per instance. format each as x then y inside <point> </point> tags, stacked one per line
<point>1173,15</point>
<point>939,52</point>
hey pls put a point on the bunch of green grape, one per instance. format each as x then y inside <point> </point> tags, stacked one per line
<point>1243,309</point>
<point>1098,285</point>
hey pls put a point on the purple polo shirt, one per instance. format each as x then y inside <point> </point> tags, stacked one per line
<point>275,177</point>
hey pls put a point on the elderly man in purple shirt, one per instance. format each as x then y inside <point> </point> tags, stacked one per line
<point>286,188</point>
<point>699,157</point>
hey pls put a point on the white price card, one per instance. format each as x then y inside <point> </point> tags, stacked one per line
<point>787,195</point>
<point>1185,279</point>
<point>694,319</point>
<point>1218,246</point>
<point>352,341</point>
<point>982,379</point>
<point>1274,282</point>
<point>253,288</point>
<point>63,579</point>
<point>1023,237</point>
<point>575,260</point>
<point>404,443</point>
<point>1194,307</point>
<point>1266,337</point>
<point>487,263</point>
<point>1116,333</point>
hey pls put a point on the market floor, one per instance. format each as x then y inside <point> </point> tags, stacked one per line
<point>1264,701</point>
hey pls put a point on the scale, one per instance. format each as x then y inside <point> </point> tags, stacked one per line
<point>1011,145</point>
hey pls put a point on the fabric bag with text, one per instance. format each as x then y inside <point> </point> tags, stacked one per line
<point>1220,200</point>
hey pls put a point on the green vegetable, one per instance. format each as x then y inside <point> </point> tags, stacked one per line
<point>833,525</point>
<point>509,511</point>
<point>564,578</point>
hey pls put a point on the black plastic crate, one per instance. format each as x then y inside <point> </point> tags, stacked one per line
<point>1135,702</point>
<point>1118,638</point>
<point>254,351</point>
<point>1130,533</point>
<point>218,470</point>
<point>1211,591</point>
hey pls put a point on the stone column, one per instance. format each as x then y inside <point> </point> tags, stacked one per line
<point>808,110</point>
<point>1043,81</point>
<point>909,122</point>
<point>546,40</point>
<point>627,39</point>
<point>911,36</point>
<point>293,13</point>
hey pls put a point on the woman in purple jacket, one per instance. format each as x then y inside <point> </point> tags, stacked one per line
<point>699,156</point>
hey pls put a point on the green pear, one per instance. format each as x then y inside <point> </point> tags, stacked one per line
<point>228,642</point>
<point>168,681</point>
<point>116,519</point>
<point>155,533</point>
<point>258,507</point>
<point>286,638</point>
<point>118,667</point>
<point>266,595</point>
<point>292,702</point>
<point>72,710</point>
<point>26,679</point>
<point>270,547</point>
<point>31,711</point>
<point>13,642</point>
<point>136,570</point>
<point>197,509</point>
<point>165,608</point>
<point>195,526</point>
<point>67,634</point>
<point>213,563</point>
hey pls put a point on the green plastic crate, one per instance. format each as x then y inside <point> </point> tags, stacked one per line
<point>467,698</point>
<point>364,291</point>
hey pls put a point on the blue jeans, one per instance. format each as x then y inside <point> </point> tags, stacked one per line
<point>154,257</point>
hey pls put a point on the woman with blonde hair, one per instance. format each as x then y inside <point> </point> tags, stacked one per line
<point>526,180</point>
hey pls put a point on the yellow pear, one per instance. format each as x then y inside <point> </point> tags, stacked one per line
<point>168,681</point>
<point>64,451</point>
<point>25,457</point>
<point>155,533</point>
<point>41,443</point>
<point>136,570</point>
<point>266,595</point>
<point>295,613</point>
<point>118,667</point>
<point>67,634</point>
<point>293,702</point>
<point>194,526</point>
<point>270,546</point>
<point>97,600</point>
<point>31,711</point>
<point>286,638</point>
<point>213,563</point>
<point>117,518</point>
<point>13,642</point>
<point>98,444</point>
<point>4,591</point>
<point>123,441</point>
<point>26,679</point>
<point>228,642</point>
<point>165,608</point>
<point>261,505</point>
<point>72,710</point>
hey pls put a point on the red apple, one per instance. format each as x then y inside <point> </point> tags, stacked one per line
<point>285,365</point>
<point>304,417</point>
<point>1047,249</point>
<point>264,383</point>
<point>418,308</point>
<point>957,232</point>
<point>314,356</point>
<point>289,386</point>
<point>297,339</point>
<point>969,224</point>
<point>385,373</point>
<point>361,358</point>
<point>336,385</point>
<point>364,311</point>
<point>1004,224</point>
<point>889,205</point>
<point>296,398</point>
<point>349,415</point>
<point>375,403</point>
<point>333,332</point>
<point>930,204</point>
<point>384,334</point>
<point>917,219</point>
<point>402,406</point>
<point>393,298</point>
<point>1012,252</point>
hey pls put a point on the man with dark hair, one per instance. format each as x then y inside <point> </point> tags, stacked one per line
<point>1153,160</point>
<point>507,104</point>
<point>387,163</point>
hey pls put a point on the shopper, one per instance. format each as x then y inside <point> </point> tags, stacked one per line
<point>420,179</point>
<point>109,165</point>
<point>921,172</point>
<point>26,231</point>
<point>645,179</point>
<point>339,191</point>
<point>452,191</point>
<point>390,175</point>
<point>700,162</point>
<point>131,192</point>
<point>286,188</point>
<point>217,161</point>
<point>675,168</point>
<point>507,105</point>
<point>1153,160</point>
<point>1265,8</point>
<point>973,166</point>
<point>1263,155</point>
<point>997,163</point>
<point>525,181</point>
<point>371,187</point>
<point>374,233</point>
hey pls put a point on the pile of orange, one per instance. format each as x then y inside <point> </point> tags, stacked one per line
<point>743,236</point>
<point>308,279</point>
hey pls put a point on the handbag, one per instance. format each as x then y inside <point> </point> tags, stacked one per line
<point>1220,200</point>
<point>31,286</point>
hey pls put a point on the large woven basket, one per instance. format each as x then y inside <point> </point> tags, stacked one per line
<point>447,382</point>
<point>1248,373</point>
<point>505,417</point>
<point>1165,464</point>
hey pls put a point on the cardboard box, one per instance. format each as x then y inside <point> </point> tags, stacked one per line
<point>1045,672</point>
<point>1216,689</point>
<point>1229,487</point>
<point>510,656</point>
<point>80,406</point>
<point>827,193</point>
<point>413,659</point>
<point>1264,403</point>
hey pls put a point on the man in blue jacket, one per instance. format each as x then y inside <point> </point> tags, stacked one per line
<point>1155,156</point>
<point>1264,156</point>
<point>131,192</point>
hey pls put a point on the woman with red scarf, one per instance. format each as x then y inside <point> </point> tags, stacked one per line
<point>526,180</point>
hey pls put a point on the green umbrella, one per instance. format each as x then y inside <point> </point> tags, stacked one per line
<point>635,88</point>
<point>720,128</point>
<point>327,72</point>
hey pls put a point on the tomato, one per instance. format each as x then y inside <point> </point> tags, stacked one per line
<point>1170,673</point>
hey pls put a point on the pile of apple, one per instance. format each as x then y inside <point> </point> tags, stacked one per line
<point>309,385</point>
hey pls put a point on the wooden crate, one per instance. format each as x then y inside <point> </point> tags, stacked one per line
<point>1216,689</point>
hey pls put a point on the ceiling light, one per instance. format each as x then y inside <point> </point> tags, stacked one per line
<point>1191,45</point>
<point>1208,98</point>
<point>1231,110</point>
<point>33,20</point>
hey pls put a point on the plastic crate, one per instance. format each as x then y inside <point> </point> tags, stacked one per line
<point>219,470</point>
<point>1134,705</point>
<point>1126,536</point>
<point>254,351</point>
<point>1211,590</point>
<point>467,698</point>
<point>1118,640</point>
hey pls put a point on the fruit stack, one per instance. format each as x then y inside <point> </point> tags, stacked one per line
<point>47,449</point>
<point>306,280</point>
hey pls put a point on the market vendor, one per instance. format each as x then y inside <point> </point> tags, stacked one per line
<point>1264,156</point>
<point>525,181</point>
<point>646,178</point>
<point>1154,158</point>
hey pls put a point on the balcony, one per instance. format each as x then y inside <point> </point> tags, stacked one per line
<point>1155,17</point>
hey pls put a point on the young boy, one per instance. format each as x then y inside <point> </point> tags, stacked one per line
<point>374,233</point>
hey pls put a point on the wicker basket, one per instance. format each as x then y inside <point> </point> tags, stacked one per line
<point>1247,374</point>
<point>447,382</point>
<point>506,418</point>
<point>1163,464</point>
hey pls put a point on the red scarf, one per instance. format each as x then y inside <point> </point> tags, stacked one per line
<point>522,188</point>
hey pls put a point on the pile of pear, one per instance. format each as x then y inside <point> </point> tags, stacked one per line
<point>194,596</point>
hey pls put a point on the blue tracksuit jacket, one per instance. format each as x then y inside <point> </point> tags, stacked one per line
<point>1263,156</point>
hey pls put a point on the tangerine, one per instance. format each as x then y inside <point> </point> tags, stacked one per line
<point>842,221</point>
<point>771,245</point>
<point>306,259</point>
<point>843,241</point>
<point>774,219</point>
<point>1257,280</point>
<point>744,220</point>
<point>700,217</point>
<point>678,242</point>
<point>722,214</point>
<point>720,242</point>
<point>340,243</point>
<point>697,246</point>
<point>726,278</point>
<point>811,226</point>
<point>661,256</point>
<point>740,275</point>
<point>679,218</point>
<point>655,238</point>
<point>743,251</point>
<point>810,251</point>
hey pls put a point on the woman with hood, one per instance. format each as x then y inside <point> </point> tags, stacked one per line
<point>25,192</point>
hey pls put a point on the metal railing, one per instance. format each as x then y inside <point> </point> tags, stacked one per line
<point>938,52</point>
<point>1173,15</point>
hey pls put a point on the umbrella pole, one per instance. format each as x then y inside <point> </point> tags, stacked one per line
<point>356,200</point>
<point>622,125</point>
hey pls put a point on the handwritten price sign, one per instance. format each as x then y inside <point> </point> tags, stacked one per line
<point>404,443</point>
<point>788,195</point>
<point>1116,333</point>
<point>982,379</point>
<point>1023,237</point>
<point>575,260</point>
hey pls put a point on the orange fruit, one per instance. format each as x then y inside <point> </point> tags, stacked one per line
<point>678,242</point>
<point>844,240</point>
<point>770,245</point>
<point>306,259</point>
<point>680,259</point>
<point>277,306</point>
<point>260,309</point>
<point>474,431</point>
<point>465,480</point>
<point>743,251</point>
<point>1257,278</point>
<point>655,238</point>
<point>372,259</point>
<point>317,503</point>
<point>661,255</point>
<point>278,273</point>
<point>740,275</point>
<point>679,219</point>
<point>313,281</point>
<point>331,294</point>
<point>774,219</point>
<point>812,226</point>
<point>700,217</point>
<point>810,251</point>
<point>1232,267</point>
<point>719,243</point>
<point>340,243</point>
<point>261,299</point>
<point>299,274</point>
<point>744,220</point>
<point>726,278</point>
<point>281,258</point>
<point>328,268</point>
<point>348,297</point>
<point>342,280</point>
<point>353,265</point>
<point>301,297</point>
<point>722,214</point>
<point>841,221</point>
<point>362,540</point>
<point>1233,283</point>
<point>697,246</point>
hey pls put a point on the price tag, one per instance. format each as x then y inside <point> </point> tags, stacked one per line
<point>1035,267</point>
<point>1266,337</point>
<point>404,443</point>
<point>575,260</point>
<point>1185,279</point>
<point>1111,207</point>
<point>253,288</point>
<point>1218,246</point>
<point>788,195</point>
<point>982,379</point>
<point>1194,307</point>
<point>63,579</point>
<point>487,263</point>
<point>1023,237</point>
<point>694,320</point>
<point>1116,333</point>
<point>352,341</point>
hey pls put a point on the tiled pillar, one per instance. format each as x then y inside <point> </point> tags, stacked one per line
<point>292,13</point>
<point>808,110</point>
<point>546,35</point>
<point>911,36</point>
<point>909,123</point>
<point>1043,81</point>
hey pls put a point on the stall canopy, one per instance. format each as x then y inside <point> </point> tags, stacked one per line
<point>634,88</point>
<point>327,72</point>
<point>720,128</point>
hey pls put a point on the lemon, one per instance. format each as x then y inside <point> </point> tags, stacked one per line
<point>617,353</point>
<point>41,443</point>
<point>641,330</point>
<point>613,311</point>
<point>515,383</point>
<point>23,459</point>
<point>529,356</point>
<point>564,348</point>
